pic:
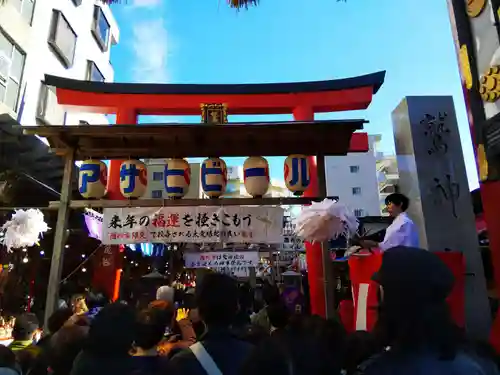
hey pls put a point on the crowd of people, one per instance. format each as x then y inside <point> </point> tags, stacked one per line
<point>213,330</point>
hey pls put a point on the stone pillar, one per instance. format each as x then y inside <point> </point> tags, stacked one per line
<point>432,174</point>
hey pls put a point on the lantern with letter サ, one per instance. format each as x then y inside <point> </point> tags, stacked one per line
<point>177,178</point>
<point>133,178</point>
<point>256,176</point>
<point>296,172</point>
<point>213,177</point>
<point>92,179</point>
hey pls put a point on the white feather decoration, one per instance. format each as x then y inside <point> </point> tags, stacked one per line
<point>23,229</point>
<point>326,220</point>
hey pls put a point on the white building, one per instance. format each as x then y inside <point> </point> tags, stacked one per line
<point>67,38</point>
<point>353,179</point>
<point>388,178</point>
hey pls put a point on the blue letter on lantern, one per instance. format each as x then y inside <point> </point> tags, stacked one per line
<point>173,172</point>
<point>205,172</point>
<point>131,173</point>
<point>303,172</point>
<point>90,173</point>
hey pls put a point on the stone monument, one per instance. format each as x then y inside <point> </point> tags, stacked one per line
<point>432,174</point>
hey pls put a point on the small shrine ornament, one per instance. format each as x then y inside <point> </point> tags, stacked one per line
<point>256,176</point>
<point>177,178</point>
<point>214,177</point>
<point>133,179</point>
<point>92,179</point>
<point>297,173</point>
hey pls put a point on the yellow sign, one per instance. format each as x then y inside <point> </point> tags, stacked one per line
<point>465,67</point>
<point>489,84</point>
<point>475,7</point>
<point>482,163</point>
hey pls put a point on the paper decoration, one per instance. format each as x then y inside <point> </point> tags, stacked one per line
<point>23,229</point>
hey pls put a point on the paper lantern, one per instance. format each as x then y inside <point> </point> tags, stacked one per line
<point>133,178</point>
<point>256,176</point>
<point>177,178</point>
<point>92,179</point>
<point>296,170</point>
<point>214,177</point>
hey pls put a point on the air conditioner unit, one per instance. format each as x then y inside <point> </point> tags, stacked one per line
<point>5,64</point>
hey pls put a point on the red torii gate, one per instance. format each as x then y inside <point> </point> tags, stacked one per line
<point>302,99</point>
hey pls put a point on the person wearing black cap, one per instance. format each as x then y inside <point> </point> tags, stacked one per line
<point>402,231</point>
<point>414,319</point>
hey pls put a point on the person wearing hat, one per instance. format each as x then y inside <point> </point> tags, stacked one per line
<point>402,231</point>
<point>414,320</point>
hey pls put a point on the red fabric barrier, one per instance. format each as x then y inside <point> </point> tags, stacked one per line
<point>364,290</point>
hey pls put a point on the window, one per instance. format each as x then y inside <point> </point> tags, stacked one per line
<point>356,191</point>
<point>354,168</point>
<point>93,72</point>
<point>11,71</point>
<point>100,28</point>
<point>358,212</point>
<point>62,38</point>
<point>49,111</point>
<point>25,7</point>
<point>157,194</point>
<point>157,176</point>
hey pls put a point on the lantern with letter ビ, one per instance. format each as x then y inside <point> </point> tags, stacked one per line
<point>256,176</point>
<point>296,171</point>
<point>133,178</point>
<point>92,179</point>
<point>213,177</point>
<point>177,178</point>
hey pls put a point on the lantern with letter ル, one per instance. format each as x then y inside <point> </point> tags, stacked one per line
<point>256,176</point>
<point>133,178</point>
<point>92,179</point>
<point>177,177</point>
<point>213,177</point>
<point>296,171</point>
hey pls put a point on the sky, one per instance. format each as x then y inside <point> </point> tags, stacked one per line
<point>205,41</point>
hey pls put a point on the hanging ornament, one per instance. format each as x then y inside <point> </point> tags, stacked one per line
<point>256,176</point>
<point>177,178</point>
<point>326,220</point>
<point>23,229</point>
<point>92,179</point>
<point>239,4</point>
<point>133,178</point>
<point>296,173</point>
<point>213,177</point>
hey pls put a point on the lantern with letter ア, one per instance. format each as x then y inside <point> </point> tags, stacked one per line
<point>213,177</point>
<point>133,178</point>
<point>256,176</point>
<point>92,179</point>
<point>177,178</point>
<point>296,171</point>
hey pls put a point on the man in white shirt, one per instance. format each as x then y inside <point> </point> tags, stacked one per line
<point>402,231</point>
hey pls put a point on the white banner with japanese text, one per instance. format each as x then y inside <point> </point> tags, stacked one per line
<point>227,262</point>
<point>234,224</point>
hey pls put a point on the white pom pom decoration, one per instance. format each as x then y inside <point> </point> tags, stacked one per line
<point>23,229</point>
<point>324,221</point>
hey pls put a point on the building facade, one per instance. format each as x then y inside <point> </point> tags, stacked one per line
<point>353,179</point>
<point>388,178</point>
<point>67,38</point>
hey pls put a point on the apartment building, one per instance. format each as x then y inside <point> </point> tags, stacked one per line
<point>67,38</point>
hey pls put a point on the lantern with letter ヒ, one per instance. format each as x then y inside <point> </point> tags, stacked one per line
<point>256,176</point>
<point>213,177</point>
<point>92,179</point>
<point>133,178</point>
<point>296,171</point>
<point>177,178</point>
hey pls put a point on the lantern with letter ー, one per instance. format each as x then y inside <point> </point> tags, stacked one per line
<point>92,179</point>
<point>133,178</point>
<point>177,178</point>
<point>296,171</point>
<point>256,176</point>
<point>213,177</point>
